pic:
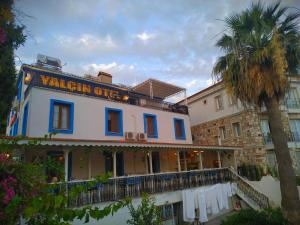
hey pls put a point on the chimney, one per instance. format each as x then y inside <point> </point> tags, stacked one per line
<point>104,77</point>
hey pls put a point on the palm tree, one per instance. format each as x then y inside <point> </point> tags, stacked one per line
<point>261,48</point>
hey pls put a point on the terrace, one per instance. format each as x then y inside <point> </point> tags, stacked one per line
<point>93,192</point>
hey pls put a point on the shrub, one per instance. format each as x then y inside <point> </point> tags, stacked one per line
<point>145,214</point>
<point>252,217</point>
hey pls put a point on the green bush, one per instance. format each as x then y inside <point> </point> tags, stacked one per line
<point>251,172</point>
<point>146,213</point>
<point>252,217</point>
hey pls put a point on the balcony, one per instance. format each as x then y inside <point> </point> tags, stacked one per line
<point>92,192</point>
<point>267,138</point>
<point>292,137</point>
<point>292,103</point>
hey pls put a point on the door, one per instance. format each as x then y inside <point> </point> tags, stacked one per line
<point>120,164</point>
<point>156,162</point>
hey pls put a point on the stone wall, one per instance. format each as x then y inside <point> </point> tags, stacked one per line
<point>250,139</point>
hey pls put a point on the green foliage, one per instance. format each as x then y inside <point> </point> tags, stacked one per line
<point>53,168</point>
<point>252,172</point>
<point>23,192</point>
<point>145,214</point>
<point>252,217</point>
<point>261,47</point>
<point>11,37</point>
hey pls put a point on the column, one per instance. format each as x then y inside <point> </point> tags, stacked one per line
<point>178,161</point>
<point>219,159</point>
<point>66,157</point>
<point>150,162</point>
<point>200,165</point>
<point>184,159</point>
<point>90,165</point>
<point>114,154</point>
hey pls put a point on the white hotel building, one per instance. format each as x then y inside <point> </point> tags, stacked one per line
<point>132,132</point>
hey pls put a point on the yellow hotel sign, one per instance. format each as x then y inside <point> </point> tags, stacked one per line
<point>75,85</point>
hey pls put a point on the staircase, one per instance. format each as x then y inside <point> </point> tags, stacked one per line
<point>254,198</point>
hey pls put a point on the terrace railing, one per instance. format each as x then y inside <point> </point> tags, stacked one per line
<point>92,192</point>
<point>250,194</point>
<point>292,103</point>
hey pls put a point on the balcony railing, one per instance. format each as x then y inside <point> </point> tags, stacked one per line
<point>292,103</point>
<point>267,138</point>
<point>92,192</point>
<point>292,137</point>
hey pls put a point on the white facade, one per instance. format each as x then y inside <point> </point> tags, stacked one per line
<point>89,112</point>
<point>203,106</point>
<point>89,118</point>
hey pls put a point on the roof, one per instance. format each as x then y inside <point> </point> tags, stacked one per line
<point>114,143</point>
<point>87,78</point>
<point>202,91</point>
<point>160,89</point>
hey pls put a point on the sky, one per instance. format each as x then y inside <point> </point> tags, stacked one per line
<point>170,40</point>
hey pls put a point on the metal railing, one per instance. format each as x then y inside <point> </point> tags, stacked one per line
<point>267,138</point>
<point>253,195</point>
<point>292,103</point>
<point>91,192</point>
<point>291,136</point>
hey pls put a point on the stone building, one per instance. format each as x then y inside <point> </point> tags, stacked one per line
<point>218,118</point>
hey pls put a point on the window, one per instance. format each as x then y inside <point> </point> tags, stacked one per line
<point>222,131</point>
<point>295,129</point>
<point>264,124</point>
<point>113,122</point>
<point>179,129</point>
<point>219,102</point>
<point>236,129</point>
<point>150,125</point>
<point>61,116</point>
<point>292,99</point>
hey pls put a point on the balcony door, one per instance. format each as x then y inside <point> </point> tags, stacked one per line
<point>109,163</point>
<point>295,129</point>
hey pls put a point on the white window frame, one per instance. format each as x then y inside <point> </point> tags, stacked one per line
<point>219,102</point>
<point>222,132</point>
<point>235,130</point>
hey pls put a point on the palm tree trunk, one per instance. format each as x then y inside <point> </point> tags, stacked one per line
<point>290,198</point>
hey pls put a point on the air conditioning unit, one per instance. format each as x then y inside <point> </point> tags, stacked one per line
<point>141,137</point>
<point>130,136</point>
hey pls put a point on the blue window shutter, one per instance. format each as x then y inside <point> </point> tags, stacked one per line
<point>16,126</point>
<point>25,118</point>
<point>50,126</point>
<point>107,132</point>
<point>182,128</point>
<point>146,115</point>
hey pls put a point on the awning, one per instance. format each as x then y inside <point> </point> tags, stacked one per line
<point>156,88</point>
<point>119,144</point>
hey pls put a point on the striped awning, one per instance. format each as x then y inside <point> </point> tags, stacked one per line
<point>115,143</point>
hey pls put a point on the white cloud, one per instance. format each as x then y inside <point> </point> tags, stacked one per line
<point>85,42</point>
<point>191,83</point>
<point>145,36</point>
<point>122,73</point>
